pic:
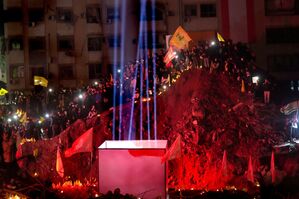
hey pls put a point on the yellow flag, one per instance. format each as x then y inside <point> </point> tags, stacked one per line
<point>3,91</point>
<point>23,118</point>
<point>59,164</point>
<point>41,119</point>
<point>35,152</point>
<point>243,87</point>
<point>38,80</point>
<point>180,38</point>
<point>220,38</point>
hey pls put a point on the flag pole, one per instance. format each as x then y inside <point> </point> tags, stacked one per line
<point>91,156</point>
<point>90,166</point>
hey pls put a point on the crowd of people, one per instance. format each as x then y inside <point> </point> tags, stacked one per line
<point>46,113</point>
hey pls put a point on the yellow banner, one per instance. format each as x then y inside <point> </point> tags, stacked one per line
<point>3,91</point>
<point>220,38</point>
<point>23,119</point>
<point>180,38</point>
<point>38,80</point>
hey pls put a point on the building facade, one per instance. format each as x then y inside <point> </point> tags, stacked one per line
<point>66,41</point>
<point>277,41</point>
<point>73,42</point>
<point>270,27</point>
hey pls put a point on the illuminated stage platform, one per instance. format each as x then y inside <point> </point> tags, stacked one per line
<point>133,166</point>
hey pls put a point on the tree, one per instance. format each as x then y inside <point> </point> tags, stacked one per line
<point>2,60</point>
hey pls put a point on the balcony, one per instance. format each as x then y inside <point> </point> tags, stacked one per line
<point>92,1</point>
<point>35,3</point>
<point>65,29</point>
<point>37,29</point>
<point>93,28</point>
<point>94,57</point>
<point>13,28</point>
<point>209,23</point>
<point>15,57</point>
<point>64,58</point>
<point>11,4</point>
<point>64,3</point>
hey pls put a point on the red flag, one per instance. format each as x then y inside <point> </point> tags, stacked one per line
<point>19,155</point>
<point>81,144</point>
<point>224,165</point>
<point>174,151</point>
<point>146,152</point>
<point>273,167</point>
<point>59,164</point>
<point>250,176</point>
<point>170,55</point>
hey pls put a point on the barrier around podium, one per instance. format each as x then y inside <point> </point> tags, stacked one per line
<point>134,167</point>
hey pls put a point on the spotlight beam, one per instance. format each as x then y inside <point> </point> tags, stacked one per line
<point>154,68</point>
<point>122,62</point>
<point>115,55</point>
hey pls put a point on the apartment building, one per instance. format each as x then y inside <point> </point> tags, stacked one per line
<point>73,42</point>
<point>269,27</point>
<point>277,41</point>
<point>66,41</point>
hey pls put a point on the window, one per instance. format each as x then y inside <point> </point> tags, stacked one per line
<point>64,15</point>
<point>16,71</point>
<point>190,10</point>
<point>65,43</point>
<point>156,14</point>
<point>15,43</point>
<point>94,70</point>
<point>208,10</point>
<point>283,63</point>
<point>93,14</point>
<point>12,15</point>
<point>282,35</point>
<point>36,15</point>
<point>157,43</point>
<point>38,71</point>
<point>281,7</point>
<point>66,72</point>
<point>114,41</point>
<point>94,43</point>
<point>113,14</point>
<point>37,43</point>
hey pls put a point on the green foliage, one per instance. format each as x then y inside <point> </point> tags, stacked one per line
<point>2,54</point>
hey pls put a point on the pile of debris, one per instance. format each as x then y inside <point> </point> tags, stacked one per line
<point>213,118</point>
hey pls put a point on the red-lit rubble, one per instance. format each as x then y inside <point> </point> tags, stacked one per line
<point>212,116</point>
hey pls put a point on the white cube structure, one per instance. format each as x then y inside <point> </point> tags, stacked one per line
<point>133,166</point>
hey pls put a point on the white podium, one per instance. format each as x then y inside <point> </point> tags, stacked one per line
<point>133,166</point>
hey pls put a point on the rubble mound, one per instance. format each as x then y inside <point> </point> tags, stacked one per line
<point>211,115</point>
